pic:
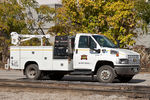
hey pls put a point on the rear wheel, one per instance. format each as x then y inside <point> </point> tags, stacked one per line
<point>105,74</point>
<point>125,78</point>
<point>32,72</point>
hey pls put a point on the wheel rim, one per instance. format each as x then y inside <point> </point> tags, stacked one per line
<point>32,73</point>
<point>105,74</point>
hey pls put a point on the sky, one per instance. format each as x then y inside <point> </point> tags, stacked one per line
<point>49,1</point>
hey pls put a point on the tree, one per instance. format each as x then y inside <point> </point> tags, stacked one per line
<point>143,12</point>
<point>21,16</point>
<point>122,21</point>
<point>114,18</point>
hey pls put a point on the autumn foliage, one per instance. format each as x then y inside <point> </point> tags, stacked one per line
<point>114,18</point>
<point>23,17</point>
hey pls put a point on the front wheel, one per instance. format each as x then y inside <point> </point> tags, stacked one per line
<point>105,74</point>
<point>125,78</point>
<point>32,72</point>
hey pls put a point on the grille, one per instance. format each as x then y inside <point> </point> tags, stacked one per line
<point>133,59</point>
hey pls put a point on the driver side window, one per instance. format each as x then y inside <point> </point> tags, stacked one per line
<point>92,43</point>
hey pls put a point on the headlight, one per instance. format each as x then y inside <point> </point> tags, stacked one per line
<point>123,61</point>
<point>115,53</point>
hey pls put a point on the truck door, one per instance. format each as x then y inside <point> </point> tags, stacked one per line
<point>84,57</point>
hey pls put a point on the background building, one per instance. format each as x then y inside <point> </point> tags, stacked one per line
<point>143,40</point>
<point>53,4</point>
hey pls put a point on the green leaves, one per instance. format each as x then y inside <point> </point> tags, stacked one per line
<point>11,17</point>
<point>143,9</point>
<point>143,12</point>
<point>114,18</point>
<point>22,16</point>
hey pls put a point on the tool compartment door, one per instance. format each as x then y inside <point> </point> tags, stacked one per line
<point>47,58</point>
<point>15,57</point>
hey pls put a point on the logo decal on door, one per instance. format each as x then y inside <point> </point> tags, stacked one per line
<point>83,57</point>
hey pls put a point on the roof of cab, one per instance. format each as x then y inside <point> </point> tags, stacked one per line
<point>88,34</point>
<point>83,34</point>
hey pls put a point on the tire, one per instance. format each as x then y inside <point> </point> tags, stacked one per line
<point>57,76</point>
<point>105,74</point>
<point>125,79</point>
<point>32,72</point>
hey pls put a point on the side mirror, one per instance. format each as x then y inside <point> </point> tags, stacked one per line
<point>98,50</point>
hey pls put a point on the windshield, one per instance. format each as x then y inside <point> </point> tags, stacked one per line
<point>104,41</point>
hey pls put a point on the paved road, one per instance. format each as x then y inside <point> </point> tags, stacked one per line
<point>139,79</point>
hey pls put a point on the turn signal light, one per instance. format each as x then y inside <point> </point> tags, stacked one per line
<point>117,54</point>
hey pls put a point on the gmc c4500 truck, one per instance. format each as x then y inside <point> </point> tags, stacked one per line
<point>83,54</point>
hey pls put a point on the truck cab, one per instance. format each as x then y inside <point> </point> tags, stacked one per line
<point>88,54</point>
<point>98,54</point>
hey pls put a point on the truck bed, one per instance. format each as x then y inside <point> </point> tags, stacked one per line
<point>41,55</point>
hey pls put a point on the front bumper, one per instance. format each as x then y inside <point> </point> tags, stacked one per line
<point>127,70</point>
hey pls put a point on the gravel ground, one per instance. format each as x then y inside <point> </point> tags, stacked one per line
<point>35,94</point>
<point>54,96</point>
<point>139,79</point>
<point>27,94</point>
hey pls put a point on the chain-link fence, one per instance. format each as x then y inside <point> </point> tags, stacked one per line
<point>145,57</point>
<point>1,59</point>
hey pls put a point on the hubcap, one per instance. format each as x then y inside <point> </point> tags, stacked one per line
<point>32,73</point>
<point>105,74</point>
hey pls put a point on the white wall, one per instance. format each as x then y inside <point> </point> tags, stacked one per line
<point>52,4</point>
<point>143,40</point>
<point>41,2</point>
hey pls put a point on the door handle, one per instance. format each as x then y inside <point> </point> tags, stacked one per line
<point>76,51</point>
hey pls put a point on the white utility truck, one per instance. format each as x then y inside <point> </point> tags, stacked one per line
<point>83,54</point>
